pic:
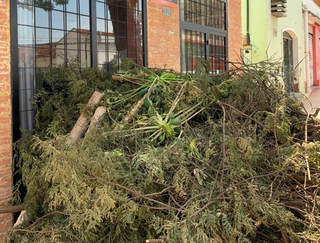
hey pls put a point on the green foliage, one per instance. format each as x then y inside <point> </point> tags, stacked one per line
<point>230,176</point>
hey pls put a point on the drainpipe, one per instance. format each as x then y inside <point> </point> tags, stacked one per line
<point>248,34</point>
<point>306,47</point>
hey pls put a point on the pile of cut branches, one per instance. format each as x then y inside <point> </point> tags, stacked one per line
<point>178,158</point>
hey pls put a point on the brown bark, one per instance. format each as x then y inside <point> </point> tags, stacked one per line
<point>134,79</point>
<point>82,123</point>
<point>97,117</point>
<point>11,209</point>
<point>129,117</point>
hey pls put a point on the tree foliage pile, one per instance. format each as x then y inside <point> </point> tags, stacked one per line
<point>205,159</point>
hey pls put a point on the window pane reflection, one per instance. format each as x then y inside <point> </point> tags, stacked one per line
<point>72,6</point>
<point>57,6</point>
<point>42,18</point>
<point>71,21</point>
<point>84,22</point>
<point>57,20</point>
<point>26,35</point>
<point>42,36</point>
<point>43,55</point>
<point>84,7</point>
<point>57,36</point>
<point>25,15</point>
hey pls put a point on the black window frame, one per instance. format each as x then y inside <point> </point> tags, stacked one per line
<point>207,30</point>
<point>93,49</point>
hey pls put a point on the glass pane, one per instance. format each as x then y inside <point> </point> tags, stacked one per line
<point>101,25</point>
<point>71,21</point>
<point>26,56</point>
<point>217,53</point>
<point>84,42</point>
<point>100,10</point>
<point>72,6</point>
<point>42,18</point>
<point>72,40</point>
<point>57,6</point>
<point>25,35</point>
<point>42,36</point>
<point>26,75</point>
<point>57,20</point>
<point>72,56</point>
<point>84,23</point>
<point>25,14</point>
<point>102,56</point>
<point>84,7</point>
<point>57,36</point>
<point>85,59</point>
<point>193,47</point>
<point>59,58</point>
<point>110,28</point>
<point>43,56</point>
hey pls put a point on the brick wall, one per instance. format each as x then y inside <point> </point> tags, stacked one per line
<point>234,29</point>
<point>5,115</point>
<point>163,37</point>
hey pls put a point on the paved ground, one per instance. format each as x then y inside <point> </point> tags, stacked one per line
<point>313,102</point>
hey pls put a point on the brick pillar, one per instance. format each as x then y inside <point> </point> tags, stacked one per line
<point>163,35</point>
<point>5,115</point>
<point>234,30</point>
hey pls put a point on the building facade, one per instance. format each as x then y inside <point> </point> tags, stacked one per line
<point>312,21</point>
<point>286,32</point>
<point>38,34</point>
<point>276,37</point>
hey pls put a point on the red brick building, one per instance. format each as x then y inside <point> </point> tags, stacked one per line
<point>5,115</point>
<point>169,34</point>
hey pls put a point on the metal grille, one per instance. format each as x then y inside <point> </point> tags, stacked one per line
<point>210,13</point>
<point>218,55</point>
<point>194,47</point>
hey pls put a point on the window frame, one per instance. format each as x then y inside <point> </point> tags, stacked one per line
<point>207,30</point>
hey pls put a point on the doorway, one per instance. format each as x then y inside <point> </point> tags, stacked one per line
<point>288,69</point>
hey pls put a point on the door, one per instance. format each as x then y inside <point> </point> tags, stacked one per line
<point>288,73</point>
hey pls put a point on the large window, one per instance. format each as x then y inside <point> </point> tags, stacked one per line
<point>204,34</point>
<point>49,33</point>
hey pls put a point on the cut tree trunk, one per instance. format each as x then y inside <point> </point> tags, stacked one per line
<point>97,117</point>
<point>81,125</point>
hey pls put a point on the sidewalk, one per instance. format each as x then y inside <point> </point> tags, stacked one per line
<point>313,102</point>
